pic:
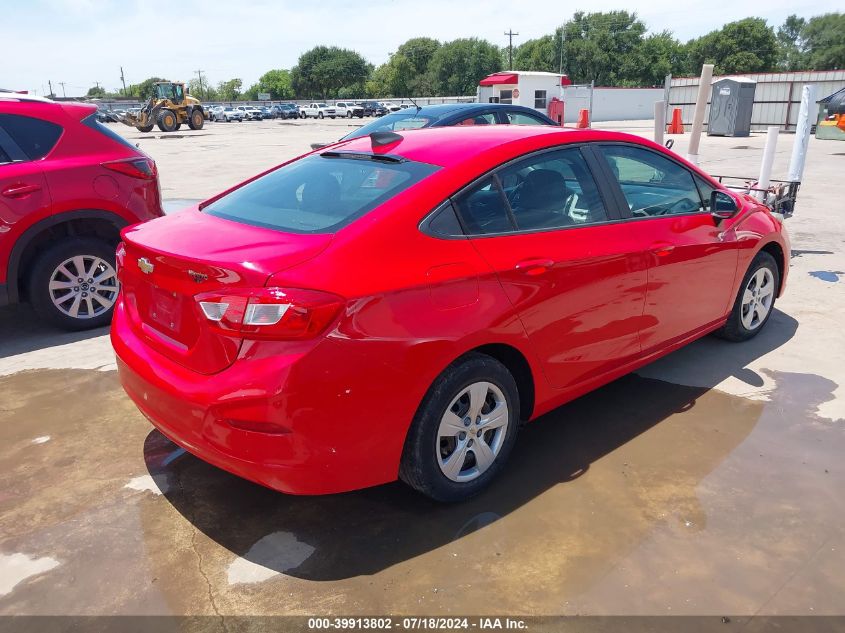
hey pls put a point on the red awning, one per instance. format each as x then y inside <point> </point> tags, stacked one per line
<point>499,78</point>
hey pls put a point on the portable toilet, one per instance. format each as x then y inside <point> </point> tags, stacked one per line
<point>731,102</point>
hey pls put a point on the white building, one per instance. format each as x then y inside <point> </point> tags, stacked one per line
<point>530,89</point>
<point>537,89</point>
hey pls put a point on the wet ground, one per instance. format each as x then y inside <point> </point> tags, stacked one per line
<point>711,482</point>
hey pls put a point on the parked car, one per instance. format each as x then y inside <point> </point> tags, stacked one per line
<point>348,109</point>
<point>227,114</point>
<point>68,184</point>
<point>390,107</point>
<point>450,114</point>
<point>398,306</point>
<point>266,112</point>
<point>285,111</point>
<point>250,113</point>
<point>373,108</point>
<point>319,111</point>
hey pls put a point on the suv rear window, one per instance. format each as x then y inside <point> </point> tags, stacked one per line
<point>320,193</point>
<point>92,122</point>
<point>35,137</point>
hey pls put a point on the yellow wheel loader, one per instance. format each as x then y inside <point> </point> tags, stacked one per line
<point>169,107</point>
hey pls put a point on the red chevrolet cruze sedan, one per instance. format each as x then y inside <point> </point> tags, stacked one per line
<point>397,305</point>
<point>68,185</point>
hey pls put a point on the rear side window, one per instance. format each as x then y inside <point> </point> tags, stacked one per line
<point>35,137</point>
<point>483,208</point>
<point>320,193</point>
<point>92,122</point>
<point>520,118</point>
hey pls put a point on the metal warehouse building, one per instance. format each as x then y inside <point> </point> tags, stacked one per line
<point>777,98</point>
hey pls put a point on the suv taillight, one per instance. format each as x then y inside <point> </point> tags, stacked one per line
<point>143,168</point>
<point>269,313</point>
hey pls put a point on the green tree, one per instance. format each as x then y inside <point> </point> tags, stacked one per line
<point>322,71</point>
<point>96,92</point>
<point>822,41</point>
<point>144,90</point>
<point>229,90</point>
<point>790,55</point>
<point>745,46</point>
<point>204,91</point>
<point>541,54</point>
<point>658,55</point>
<point>275,82</point>
<point>598,47</point>
<point>458,66</point>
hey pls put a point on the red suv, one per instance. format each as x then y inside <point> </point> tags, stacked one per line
<point>398,305</point>
<point>68,185</point>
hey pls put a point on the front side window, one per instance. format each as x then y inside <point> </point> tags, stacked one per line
<point>540,99</point>
<point>506,96</point>
<point>35,137</point>
<point>652,184</point>
<point>319,193</point>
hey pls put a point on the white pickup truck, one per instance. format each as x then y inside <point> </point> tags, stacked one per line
<point>319,111</point>
<point>348,109</point>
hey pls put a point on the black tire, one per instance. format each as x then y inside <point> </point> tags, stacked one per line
<point>43,269</point>
<point>145,128</point>
<point>196,120</point>
<point>734,329</point>
<point>168,121</point>
<point>320,115</point>
<point>349,114</point>
<point>419,467</point>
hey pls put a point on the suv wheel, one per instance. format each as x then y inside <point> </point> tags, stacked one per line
<point>73,284</point>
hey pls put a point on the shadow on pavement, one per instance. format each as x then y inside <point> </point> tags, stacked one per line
<point>360,533</point>
<point>21,331</point>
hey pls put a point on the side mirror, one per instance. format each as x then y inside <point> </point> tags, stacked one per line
<point>722,205</point>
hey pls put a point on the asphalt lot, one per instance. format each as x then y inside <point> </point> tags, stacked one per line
<point>708,483</point>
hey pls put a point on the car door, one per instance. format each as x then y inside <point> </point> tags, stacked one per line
<point>574,276</point>
<point>692,257</point>
<point>24,195</point>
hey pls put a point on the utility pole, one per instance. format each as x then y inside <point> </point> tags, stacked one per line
<point>62,84</point>
<point>50,83</point>
<point>562,42</point>
<point>510,35</point>
<point>202,90</point>
<point>123,81</point>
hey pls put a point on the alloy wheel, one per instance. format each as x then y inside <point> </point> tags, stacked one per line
<point>83,286</point>
<point>757,298</point>
<point>472,431</point>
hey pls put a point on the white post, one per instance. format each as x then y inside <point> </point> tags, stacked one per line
<point>698,117</point>
<point>766,166</point>
<point>659,121</point>
<point>802,133</point>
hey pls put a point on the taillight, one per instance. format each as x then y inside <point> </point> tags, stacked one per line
<point>119,257</point>
<point>270,313</point>
<point>142,168</point>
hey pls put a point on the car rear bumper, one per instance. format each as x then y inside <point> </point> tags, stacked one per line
<point>319,442</point>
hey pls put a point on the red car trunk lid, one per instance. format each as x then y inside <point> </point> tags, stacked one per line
<point>171,260</point>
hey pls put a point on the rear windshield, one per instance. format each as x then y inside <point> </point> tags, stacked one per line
<point>318,194</point>
<point>407,119</point>
<point>92,122</point>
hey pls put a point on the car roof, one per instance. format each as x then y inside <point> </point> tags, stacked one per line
<point>449,146</point>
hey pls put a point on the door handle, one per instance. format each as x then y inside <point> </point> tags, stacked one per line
<point>536,266</point>
<point>18,191</point>
<point>662,250</point>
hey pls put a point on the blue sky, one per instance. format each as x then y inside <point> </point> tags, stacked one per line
<point>82,41</point>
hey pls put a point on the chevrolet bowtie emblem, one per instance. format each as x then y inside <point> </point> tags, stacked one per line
<point>145,265</point>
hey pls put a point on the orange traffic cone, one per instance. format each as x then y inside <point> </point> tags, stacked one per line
<point>583,118</point>
<point>676,126</point>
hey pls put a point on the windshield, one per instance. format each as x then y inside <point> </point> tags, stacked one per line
<point>402,120</point>
<point>319,193</point>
